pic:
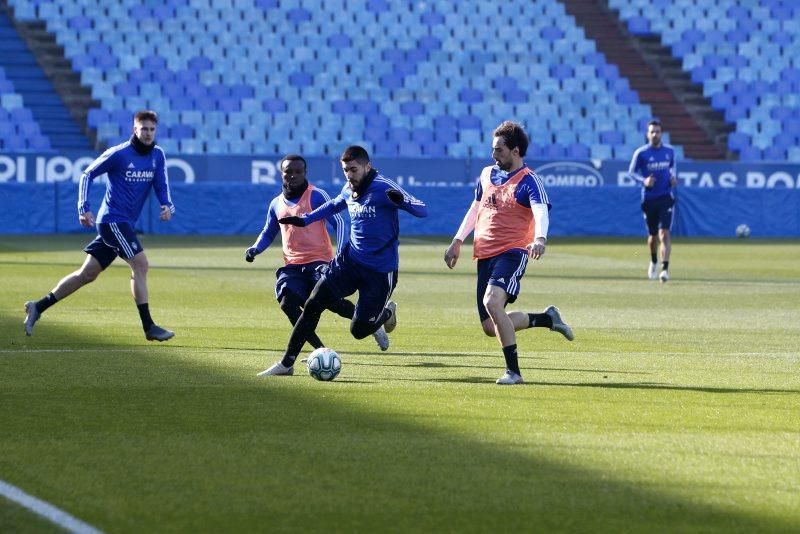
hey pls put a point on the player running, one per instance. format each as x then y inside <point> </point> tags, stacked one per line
<point>133,167</point>
<point>367,263</point>
<point>510,219</point>
<point>307,251</point>
<point>653,166</point>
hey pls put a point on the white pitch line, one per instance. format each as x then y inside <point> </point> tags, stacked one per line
<point>46,510</point>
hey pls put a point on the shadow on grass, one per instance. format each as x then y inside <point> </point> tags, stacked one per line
<point>153,443</point>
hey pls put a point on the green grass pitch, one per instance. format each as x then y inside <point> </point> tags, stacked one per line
<point>677,407</point>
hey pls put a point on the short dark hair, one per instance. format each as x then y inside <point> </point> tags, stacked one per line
<point>146,115</point>
<point>293,157</point>
<point>357,153</point>
<point>655,122</point>
<point>513,135</point>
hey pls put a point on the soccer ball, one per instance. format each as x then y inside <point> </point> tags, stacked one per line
<point>742,231</point>
<point>324,364</point>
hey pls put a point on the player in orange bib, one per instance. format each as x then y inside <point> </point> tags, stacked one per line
<point>510,218</point>
<point>307,251</point>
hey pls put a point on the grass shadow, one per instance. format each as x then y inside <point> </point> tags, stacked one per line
<point>156,443</point>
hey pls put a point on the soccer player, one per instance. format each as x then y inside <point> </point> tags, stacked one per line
<point>653,166</point>
<point>133,168</point>
<point>367,263</point>
<point>307,251</point>
<point>510,218</point>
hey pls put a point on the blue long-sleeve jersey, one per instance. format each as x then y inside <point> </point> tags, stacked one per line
<point>374,226</point>
<point>271,226</point>
<point>130,177</point>
<point>658,161</point>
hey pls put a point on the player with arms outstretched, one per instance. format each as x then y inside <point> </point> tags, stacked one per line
<point>369,261</point>
<point>307,250</point>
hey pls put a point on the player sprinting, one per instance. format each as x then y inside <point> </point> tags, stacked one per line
<point>653,166</point>
<point>307,251</point>
<point>134,168</point>
<point>368,262</point>
<point>510,218</point>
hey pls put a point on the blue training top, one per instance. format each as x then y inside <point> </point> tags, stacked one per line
<point>374,227</point>
<point>130,177</point>
<point>656,161</point>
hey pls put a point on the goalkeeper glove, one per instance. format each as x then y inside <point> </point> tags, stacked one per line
<point>250,254</point>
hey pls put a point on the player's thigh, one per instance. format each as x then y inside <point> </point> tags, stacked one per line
<point>374,292</point>
<point>294,279</point>
<point>121,237</point>
<point>102,254</point>
<point>343,278</point>
<point>650,213</point>
<point>665,213</point>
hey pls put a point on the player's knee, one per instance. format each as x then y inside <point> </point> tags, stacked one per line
<point>492,304</point>
<point>139,264</point>
<point>361,329</point>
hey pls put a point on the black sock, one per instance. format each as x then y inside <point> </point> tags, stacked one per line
<point>512,361</point>
<point>144,315</point>
<point>539,320</point>
<point>664,265</point>
<point>653,257</point>
<point>46,302</point>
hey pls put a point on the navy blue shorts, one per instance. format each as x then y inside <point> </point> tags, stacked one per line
<point>658,213</point>
<point>345,277</point>
<point>299,279</point>
<point>114,239</point>
<point>504,270</point>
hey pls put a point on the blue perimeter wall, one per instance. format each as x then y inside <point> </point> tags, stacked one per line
<point>230,195</point>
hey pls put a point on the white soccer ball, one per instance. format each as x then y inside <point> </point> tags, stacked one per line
<point>324,364</point>
<point>742,231</point>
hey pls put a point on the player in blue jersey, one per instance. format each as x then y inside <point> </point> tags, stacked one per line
<point>133,168</point>
<point>368,263</point>
<point>653,166</point>
<point>307,251</point>
<point>510,217</point>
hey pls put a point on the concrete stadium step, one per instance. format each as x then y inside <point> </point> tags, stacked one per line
<point>603,25</point>
<point>38,93</point>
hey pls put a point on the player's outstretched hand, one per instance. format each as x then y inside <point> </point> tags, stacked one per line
<point>250,254</point>
<point>165,213</point>
<point>395,196</point>
<point>293,220</point>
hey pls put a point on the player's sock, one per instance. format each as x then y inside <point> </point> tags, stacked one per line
<point>653,257</point>
<point>539,320</point>
<point>144,315</point>
<point>512,360</point>
<point>665,266</point>
<point>46,302</point>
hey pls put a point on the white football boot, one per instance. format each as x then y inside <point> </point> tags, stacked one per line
<point>381,338</point>
<point>277,369</point>
<point>510,378</point>
<point>652,272</point>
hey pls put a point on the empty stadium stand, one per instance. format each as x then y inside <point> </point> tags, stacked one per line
<point>423,78</point>
<point>747,57</point>
<point>32,115</point>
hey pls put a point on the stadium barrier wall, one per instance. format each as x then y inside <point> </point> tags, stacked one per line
<point>230,195</point>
